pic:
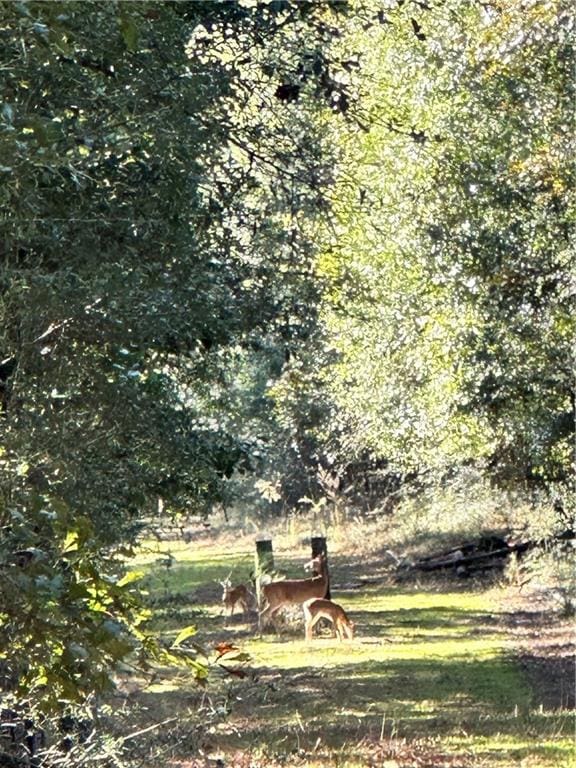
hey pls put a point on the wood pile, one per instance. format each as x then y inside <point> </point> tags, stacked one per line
<point>487,554</point>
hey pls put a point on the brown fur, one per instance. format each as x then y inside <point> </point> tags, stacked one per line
<point>280,593</point>
<point>317,609</point>
<point>233,596</point>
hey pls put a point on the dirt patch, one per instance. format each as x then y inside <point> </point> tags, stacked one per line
<point>545,645</point>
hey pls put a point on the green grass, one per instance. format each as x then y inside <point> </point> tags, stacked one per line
<point>429,671</point>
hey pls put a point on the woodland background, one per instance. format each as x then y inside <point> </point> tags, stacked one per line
<point>271,257</point>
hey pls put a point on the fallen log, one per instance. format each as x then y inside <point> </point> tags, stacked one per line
<point>484,544</point>
<point>457,559</point>
<point>487,553</point>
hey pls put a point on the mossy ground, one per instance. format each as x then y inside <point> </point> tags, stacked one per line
<point>430,679</point>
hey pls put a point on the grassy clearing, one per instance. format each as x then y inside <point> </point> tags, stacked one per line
<point>430,679</point>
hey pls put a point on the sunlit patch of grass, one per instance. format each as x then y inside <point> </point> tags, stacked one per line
<point>176,568</point>
<point>178,571</point>
<point>176,577</point>
<point>430,673</point>
<point>292,654</point>
<point>520,748</point>
<point>424,663</point>
<point>165,686</point>
<point>394,598</point>
<point>183,587</point>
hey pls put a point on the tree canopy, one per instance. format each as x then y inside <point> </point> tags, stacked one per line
<point>266,240</point>
<point>453,309</point>
<point>157,177</point>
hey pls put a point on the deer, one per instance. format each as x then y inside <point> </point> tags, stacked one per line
<point>233,596</point>
<point>320,608</point>
<point>294,591</point>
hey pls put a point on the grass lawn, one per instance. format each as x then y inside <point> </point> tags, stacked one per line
<point>431,678</point>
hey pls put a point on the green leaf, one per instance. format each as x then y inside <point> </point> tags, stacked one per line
<point>70,543</point>
<point>184,635</point>
<point>130,33</point>
<point>130,577</point>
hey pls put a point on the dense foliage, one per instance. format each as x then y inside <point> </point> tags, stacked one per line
<point>452,307</point>
<point>158,177</point>
<point>266,249</point>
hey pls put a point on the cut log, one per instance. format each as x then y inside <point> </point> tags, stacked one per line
<point>488,553</point>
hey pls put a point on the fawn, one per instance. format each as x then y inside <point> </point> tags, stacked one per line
<point>233,596</point>
<point>319,608</point>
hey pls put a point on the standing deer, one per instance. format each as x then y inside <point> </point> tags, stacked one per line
<point>232,596</point>
<point>280,593</point>
<point>318,608</point>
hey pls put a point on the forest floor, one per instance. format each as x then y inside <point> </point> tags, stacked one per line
<point>441,674</point>
<point>545,648</point>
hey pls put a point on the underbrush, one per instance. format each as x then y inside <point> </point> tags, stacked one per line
<point>437,517</point>
<point>429,680</point>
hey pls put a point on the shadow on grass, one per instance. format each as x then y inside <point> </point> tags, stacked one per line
<point>486,701</point>
<point>479,699</point>
<point>434,624</point>
<point>396,626</point>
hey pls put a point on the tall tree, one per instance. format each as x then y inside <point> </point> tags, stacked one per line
<point>157,174</point>
<point>452,299</point>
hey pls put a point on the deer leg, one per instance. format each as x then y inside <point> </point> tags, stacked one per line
<point>307,628</point>
<point>312,623</point>
<point>272,615</point>
<point>264,616</point>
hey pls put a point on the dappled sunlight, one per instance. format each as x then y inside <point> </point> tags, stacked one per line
<point>357,691</point>
<point>526,751</point>
<point>421,660</point>
<point>287,280</point>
